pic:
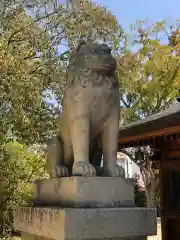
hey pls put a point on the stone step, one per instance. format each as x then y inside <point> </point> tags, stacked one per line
<point>83,224</point>
<point>84,192</point>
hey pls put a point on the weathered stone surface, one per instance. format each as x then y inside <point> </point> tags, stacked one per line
<point>29,236</point>
<point>85,224</point>
<point>84,192</point>
<point>89,121</point>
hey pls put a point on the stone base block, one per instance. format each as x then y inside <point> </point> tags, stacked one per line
<point>84,224</point>
<point>84,192</point>
<point>29,236</point>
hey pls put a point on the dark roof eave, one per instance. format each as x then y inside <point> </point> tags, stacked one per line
<point>162,120</point>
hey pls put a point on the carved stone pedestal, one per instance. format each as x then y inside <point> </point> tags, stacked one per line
<point>84,208</point>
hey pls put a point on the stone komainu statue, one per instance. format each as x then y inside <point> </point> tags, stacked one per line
<point>89,123</point>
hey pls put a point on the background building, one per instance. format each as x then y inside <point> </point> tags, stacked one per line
<point>132,170</point>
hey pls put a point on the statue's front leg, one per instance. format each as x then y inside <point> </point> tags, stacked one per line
<point>55,165</point>
<point>109,136</point>
<point>79,129</point>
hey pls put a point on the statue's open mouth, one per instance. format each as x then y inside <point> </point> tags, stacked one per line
<point>104,66</point>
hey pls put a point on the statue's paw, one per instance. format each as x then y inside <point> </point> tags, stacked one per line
<point>83,169</point>
<point>114,171</point>
<point>61,171</point>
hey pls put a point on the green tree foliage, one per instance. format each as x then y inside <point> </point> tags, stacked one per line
<point>150,75</point>
<point>20,166</point>
<point>24,78</point>
<point>91,22</point>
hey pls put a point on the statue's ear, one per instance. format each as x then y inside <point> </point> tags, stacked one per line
<point>81,42</point>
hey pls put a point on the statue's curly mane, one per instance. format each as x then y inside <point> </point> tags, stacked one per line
<point>91,64</point>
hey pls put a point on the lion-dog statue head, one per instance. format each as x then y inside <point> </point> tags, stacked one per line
<point>91,63</point>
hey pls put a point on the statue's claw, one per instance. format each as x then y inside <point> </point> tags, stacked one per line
<point>83,169</point>
<point>114,171</point>
<point>60,171</point>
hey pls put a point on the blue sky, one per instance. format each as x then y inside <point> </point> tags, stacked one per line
<point>128,11</point>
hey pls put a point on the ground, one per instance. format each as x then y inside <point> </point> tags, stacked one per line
<point>158,237</point>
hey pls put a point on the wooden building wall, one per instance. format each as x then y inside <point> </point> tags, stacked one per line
<point>170,190</point>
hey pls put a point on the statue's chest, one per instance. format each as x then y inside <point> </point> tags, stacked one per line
<point>103,101</point>
<point>93,97</point>
<point>94,102</point>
